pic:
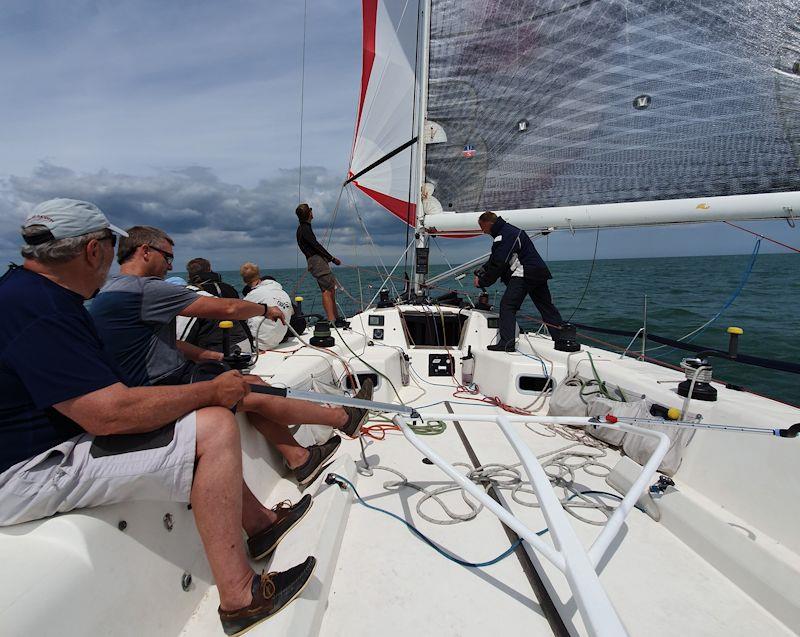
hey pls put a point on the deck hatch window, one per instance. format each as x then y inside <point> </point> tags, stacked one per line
<point>433,329</point>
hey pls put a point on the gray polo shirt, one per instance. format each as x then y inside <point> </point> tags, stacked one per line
<point>135,317</point>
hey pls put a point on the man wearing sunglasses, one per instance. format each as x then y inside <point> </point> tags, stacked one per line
<point>135,314</point>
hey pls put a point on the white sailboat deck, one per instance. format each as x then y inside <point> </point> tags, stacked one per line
<point>722,560</point>
<point>389,581</point>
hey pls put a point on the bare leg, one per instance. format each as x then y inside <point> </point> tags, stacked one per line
<point>255,516</point>
<point>329,303</point>
<point>278,435</point>
<point>288,411</point>
<point>217,504</point>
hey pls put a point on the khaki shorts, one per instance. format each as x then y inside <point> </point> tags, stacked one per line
<point>88,471</point>
<point>321,271</point>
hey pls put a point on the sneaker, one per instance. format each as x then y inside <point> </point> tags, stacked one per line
<point>502,347</point>
<point>318,456</point>
<point>357,417</point>
<point>271,593</point>
<point>341,323</point>
<point>264,542</point>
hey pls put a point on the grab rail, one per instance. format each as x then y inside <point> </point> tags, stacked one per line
<point>567,553</point>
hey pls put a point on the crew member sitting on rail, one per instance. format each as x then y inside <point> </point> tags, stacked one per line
<point>515,261</point>
<point>73,434</point>
<point>251,277</point>
<point>205,333</point>
<point>135,314</point>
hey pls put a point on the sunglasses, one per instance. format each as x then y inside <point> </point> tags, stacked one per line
<point>168,256</point>
<point>112,238</point>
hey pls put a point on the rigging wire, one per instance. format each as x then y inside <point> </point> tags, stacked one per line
<point>302,103</point>
<point>589,278</point>
<point>761,236</point>
<point>371,242</point>
<point>449,265</point>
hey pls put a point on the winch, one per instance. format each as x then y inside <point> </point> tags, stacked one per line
<point>698,378</point>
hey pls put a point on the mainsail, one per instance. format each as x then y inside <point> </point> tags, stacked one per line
<point>588,113</point>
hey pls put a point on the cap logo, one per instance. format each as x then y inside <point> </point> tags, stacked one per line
<point>40,218</point>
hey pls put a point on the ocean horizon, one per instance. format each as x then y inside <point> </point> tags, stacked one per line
<point>683,293</point>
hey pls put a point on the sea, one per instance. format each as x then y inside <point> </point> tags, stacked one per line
<point>761,296</point>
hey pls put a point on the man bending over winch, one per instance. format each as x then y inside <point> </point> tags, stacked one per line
<point>135,314</point>
<point>516,262</point>
<point>74,434</point>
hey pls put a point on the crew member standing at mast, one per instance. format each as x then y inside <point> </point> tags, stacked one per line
<point>515,261</point>
<point>318,262</point>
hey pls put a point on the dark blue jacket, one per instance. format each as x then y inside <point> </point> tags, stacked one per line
<point>509,241</point>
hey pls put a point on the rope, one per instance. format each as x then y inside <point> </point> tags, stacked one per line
<point>725,306</point>
<point>589,278</point>
<point>424,537</point>
<point>561,466</point>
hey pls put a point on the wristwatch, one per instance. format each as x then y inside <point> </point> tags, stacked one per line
<point>266,309</point>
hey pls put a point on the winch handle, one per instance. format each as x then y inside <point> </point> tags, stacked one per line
<point>226,326</point>
<point>268,389</point>
<point>791,432</point>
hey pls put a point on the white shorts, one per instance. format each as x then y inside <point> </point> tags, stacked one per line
<point>87,471</point>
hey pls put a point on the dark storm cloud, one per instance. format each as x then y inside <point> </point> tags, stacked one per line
<point>202,211</point>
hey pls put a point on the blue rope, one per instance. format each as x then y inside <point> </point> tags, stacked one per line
<point>450,556</point>
<point>745,276</point>
<point>430,542</point>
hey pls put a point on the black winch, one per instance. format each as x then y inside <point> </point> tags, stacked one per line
<point>699,372</point>
<point>322,335</point>
<point>567,340</point>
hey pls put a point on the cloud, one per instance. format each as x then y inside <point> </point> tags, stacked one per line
<point>205,214</point>
<point>142,86</point>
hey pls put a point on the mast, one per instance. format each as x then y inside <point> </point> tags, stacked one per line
<point>420,233</point>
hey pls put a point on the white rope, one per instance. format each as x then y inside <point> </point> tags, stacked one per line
<point>561,466</point>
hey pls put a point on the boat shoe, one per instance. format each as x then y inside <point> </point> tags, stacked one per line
<point>271,593</point>
<point>357,417</point>
<point>264,542</point>
<point>318,455</point>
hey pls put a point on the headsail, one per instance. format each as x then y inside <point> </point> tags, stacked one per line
<point>386,110</point>
<point>587,105</point>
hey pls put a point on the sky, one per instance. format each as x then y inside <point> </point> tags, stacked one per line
<point>186,115</point>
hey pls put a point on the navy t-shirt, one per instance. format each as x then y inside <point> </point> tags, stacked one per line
<point>49,352</point>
